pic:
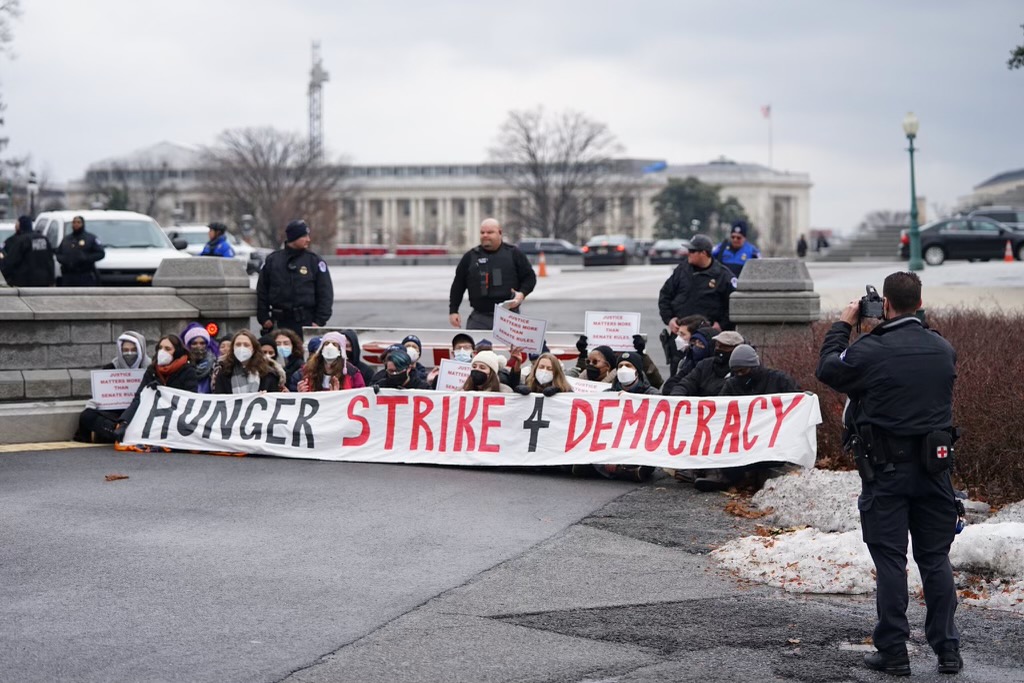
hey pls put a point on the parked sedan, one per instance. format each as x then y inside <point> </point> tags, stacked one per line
<point>668,251</point>
<point>608,250</point>
<point>973,239</point>
<point>534,246</point>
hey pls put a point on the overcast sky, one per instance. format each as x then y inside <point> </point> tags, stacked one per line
<point>422,82</point>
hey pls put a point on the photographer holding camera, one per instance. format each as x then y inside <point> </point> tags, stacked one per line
<point>899,380</point>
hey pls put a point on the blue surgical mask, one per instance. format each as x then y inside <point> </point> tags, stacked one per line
<point>463,355</point>
<point>284,351</point>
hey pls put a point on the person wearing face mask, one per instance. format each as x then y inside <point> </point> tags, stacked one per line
<point>200,355</point>
<point>289,355</point>
<point>599,365</point>
<point>354,354</point>
<point>170,368</point>
<point>395,374</point>
<point>414,347</point>
<point>98,426</point>
<point>639,343</point>
<point>245,370</point>
<point>328,369</point>
<point>699,346</point>
<point>484,374</point>
<point>708,376</point>
<point>676,345</point>
<point>546,377</point>
<point>462,352</point>
<point>630,377</point>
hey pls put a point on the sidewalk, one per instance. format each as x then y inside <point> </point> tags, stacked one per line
<point>629,594</point>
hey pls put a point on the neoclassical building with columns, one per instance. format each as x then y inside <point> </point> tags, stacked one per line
<point>443,204</point>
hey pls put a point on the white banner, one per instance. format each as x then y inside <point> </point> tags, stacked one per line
<point>479,428</point>
<point>613,329</point>
<point>518,330</point>
<point>115,389</point>
<point>452,375</point>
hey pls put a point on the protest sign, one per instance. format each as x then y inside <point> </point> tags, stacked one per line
<point>452,375</point>
<point>115,389</point>
<point>586,386</point>
<point>518,330</point>
<point>613,329</point>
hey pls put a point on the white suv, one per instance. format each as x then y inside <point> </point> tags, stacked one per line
<point>134,243</point>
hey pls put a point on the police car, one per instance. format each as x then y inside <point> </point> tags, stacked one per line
<point>134,243</point>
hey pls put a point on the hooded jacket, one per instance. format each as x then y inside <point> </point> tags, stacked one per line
<point>356,357</point>
<point>706,379</point>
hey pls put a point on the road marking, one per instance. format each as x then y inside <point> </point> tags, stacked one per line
<point>47,446</point>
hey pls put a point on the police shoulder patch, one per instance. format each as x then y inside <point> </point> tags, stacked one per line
<point>322,266</point>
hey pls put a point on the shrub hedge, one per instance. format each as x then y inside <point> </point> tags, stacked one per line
<point>988,401</point>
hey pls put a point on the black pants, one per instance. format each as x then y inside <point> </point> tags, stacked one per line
<point>97,426</point>
<point>291,324</point>
<point>480,321</point>
<point>78,280</point>
<point>907,498</point>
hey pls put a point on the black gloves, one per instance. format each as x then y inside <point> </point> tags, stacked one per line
<point>550,391</point>
<point>523,389</point>
<point>581,344</point>
<point>638,343</point>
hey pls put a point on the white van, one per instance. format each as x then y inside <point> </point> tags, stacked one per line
<point>134,243</point>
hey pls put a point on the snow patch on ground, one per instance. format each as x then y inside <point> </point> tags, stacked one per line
<point>830,556</point>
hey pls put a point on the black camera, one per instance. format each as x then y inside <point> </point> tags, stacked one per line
<point>871,304</point>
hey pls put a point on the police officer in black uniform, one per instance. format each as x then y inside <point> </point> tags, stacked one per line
<point>701,286</point>
<point>493,272</point>
<point>27,258</point>
<point>294,288</point>
<point>78,254</point>
<point>898,423</point>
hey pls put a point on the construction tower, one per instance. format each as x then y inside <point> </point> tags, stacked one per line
<point>317,78</point>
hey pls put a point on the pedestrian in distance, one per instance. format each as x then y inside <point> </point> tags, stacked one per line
<point>218,244</point>
<point>701,286</point>
<point>77,256</point>
<point>27,257</point>
<point>494,273</point>
<point>898,424</point>
<point>736,251</point>
<point>294,289</point>
<point>801,247</point>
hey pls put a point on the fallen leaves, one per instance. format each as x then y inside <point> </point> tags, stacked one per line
<point>116,477</point>
<point>739,508</point>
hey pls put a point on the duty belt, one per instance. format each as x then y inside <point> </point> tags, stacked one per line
<point>897,449</point>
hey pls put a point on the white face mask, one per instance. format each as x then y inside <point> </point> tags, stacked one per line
<point>544,376</point>
<point>681,344</point>
<point>626,376</point>
<point>414,353</point>
<point>242,353</point>
<point>163,358</point>
<point>330,352</point>
<point>463,355</point>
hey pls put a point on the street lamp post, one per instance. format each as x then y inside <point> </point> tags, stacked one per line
<point>32,186</point>
<point>910,125</point>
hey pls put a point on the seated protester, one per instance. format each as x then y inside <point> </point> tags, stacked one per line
<point>681,341</point>
<point>97,426</point>
<point>200,355</point>
<point>462,352</point>
<point>599,365</point>
<point>354,354</point>
<point>382,374</point>
<point>546,377</point>
<point>650,369</point>
<point>484,374</point>
<point>223,346</point>
<point>268,348</point>
<point>748,378</point>
<point>328,369</point>
<point>698,347</point>
<point>289,355</point>
<point>511,374</point>
<point>709,375</point>
<point>170,368</point>
<point>245,370</point>
<point>395,374</point>
<point>414,347</point>
<point>483,345</point>
<point>630,377</point>
<point>312,346</point>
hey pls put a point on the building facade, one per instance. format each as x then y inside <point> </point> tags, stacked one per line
<point>439,204</point>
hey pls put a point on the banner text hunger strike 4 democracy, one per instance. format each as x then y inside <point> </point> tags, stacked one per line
<point>476,428</point>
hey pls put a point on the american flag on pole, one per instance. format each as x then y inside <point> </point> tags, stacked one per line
<point>766,111</point>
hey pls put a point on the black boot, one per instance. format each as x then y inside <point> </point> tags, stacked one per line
<point>950,662</point>
<point>897,664</point>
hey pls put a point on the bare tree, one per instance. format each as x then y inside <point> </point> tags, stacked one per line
<point>9,9</point>
<point>275,177</point>
<point>561,166</point>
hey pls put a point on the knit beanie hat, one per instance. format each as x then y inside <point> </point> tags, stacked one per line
<point>744,356</point>
<point>490,359</point>
<point>634,359</point>
<point>415,340</point>
<point>314,344</point>
<point>192,333</point>
<point>295,230</point>
<point>336,338</point>
<point>608,354</point>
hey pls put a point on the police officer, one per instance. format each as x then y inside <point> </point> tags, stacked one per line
<point>899,380</point>
<point>218,244</point>
<point>78,254</point>
<point>294,287</point>
<point>493,272</point>
<point>735,252</point>
<point>701,286</point>
<point>27,257</point>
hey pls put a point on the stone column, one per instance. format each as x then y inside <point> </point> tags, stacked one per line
<point>775,304</point>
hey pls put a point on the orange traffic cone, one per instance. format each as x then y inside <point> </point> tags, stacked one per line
<point>1007,255</point>
<point>542,266</point>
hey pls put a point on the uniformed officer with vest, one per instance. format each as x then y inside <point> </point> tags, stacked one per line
<point>736,251</point>
<point>78,254</point>
<point>294,288</point>
<point>494,273</point>
<point>898,424</point>
<point>701,286</point>
<point>218,244</point>
<point>27,258</point>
